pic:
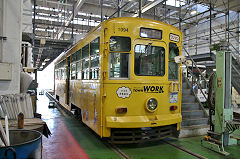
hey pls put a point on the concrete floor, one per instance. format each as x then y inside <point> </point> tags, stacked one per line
<point>73,140</point>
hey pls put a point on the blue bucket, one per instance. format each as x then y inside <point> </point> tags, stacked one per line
<point>23,144</point>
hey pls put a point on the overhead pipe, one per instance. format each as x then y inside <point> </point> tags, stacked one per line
<point>34,26</point>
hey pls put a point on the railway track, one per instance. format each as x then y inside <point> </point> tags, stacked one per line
<point>126,156</point>
<point>185,150</point>
<point>118,151</point>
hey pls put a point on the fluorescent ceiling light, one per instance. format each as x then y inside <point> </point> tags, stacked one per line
<point>193,12</point>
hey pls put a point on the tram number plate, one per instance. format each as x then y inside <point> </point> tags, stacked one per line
<point>123,29</point>
<point>174,37</point>
<point>173,98</point>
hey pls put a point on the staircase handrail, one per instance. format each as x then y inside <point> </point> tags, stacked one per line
<point>199,86</point>
<point>235,69</point>
<point>195,64</point>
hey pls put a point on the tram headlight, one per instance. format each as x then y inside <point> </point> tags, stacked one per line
<point>152,104</point>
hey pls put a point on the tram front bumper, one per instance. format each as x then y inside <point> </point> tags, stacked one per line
<point>142,121</point>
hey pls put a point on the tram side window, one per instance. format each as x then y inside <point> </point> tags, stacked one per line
<point>56,74</point>
<point>61,70</point>
<point>172,65</point>
<point>94,52</point>
<point>85,62</point>
<point>79,64</point>
<point>61,74</point>
<point>149,60</point>
<point>64,71</point>
<point>73,71</point>
<point>119,65</point>
<point>73,65</point>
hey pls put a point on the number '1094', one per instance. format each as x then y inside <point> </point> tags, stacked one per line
<point>123,29</point>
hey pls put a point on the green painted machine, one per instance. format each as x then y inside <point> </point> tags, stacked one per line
<point>224,130</point>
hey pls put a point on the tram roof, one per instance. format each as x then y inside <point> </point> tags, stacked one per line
<point>113,20</point>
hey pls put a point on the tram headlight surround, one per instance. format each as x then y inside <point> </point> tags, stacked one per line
<point>151,104</point>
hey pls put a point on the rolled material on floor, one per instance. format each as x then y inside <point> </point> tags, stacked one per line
<point>12,105</point>
<point>25,81</point>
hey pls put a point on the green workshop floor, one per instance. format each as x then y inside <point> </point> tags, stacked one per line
<point>96,148</point>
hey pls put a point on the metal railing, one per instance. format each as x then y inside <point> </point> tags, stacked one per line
<point>190,82</point>
<point>190,71</point>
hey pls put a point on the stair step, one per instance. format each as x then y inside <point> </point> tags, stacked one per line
<point>186,91</point>
<point>197,121</point>
<point>184,85</point>
<point>194,130</point>
<point>188,99</point>
<point>195,127</point>
<point>235,75</point>
<point>236,79</point>
<point>190,106</point>
<point>192,114</point>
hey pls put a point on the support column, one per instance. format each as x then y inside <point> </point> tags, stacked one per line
<point>1,28</point>
<point>101,5</point>
<point>238,34</point>
<point>140,9</point>
<point>11,49</point>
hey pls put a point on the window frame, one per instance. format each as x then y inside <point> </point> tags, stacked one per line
<point>120,50</point>
<point>129,67</point>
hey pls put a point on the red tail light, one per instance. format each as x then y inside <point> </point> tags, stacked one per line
<point>121,110</point>
<point>173,107</point>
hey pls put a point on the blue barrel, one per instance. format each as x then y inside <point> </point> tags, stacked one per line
<point>26,144</point>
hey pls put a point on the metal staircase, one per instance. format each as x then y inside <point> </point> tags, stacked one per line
<point>235,67</point>
<point>195,118</point>
<point>236,74</point>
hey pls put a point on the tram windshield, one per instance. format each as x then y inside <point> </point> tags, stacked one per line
<point>149,60</point>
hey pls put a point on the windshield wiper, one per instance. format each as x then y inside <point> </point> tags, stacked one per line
<point>148,47</point>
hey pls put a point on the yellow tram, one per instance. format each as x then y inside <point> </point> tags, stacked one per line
<point>122,80</point>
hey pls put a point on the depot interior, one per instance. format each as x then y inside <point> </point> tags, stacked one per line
<point>33,33</point>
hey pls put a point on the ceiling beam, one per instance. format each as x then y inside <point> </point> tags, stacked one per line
<point>77,6</point>
<point>148,7</point>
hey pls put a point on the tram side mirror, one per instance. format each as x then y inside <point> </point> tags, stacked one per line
<point>188,62</point>
<point>180,59</point>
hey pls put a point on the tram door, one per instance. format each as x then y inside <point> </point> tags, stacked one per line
<point>68,80</point>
